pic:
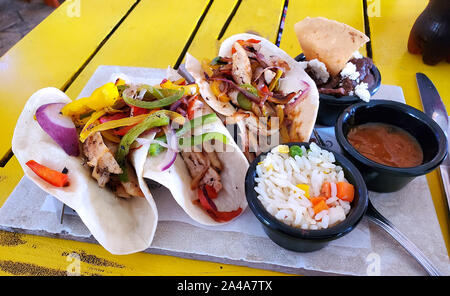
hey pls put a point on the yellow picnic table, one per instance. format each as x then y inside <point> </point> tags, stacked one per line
<point>67,47</point>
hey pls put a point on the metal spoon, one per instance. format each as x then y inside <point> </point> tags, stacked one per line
<point>375,217</point>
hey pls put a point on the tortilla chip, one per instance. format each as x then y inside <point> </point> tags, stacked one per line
<point>329,41</point>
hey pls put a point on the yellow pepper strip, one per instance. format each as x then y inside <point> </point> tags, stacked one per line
<point>274,81</point>
<point>111,125</point>
<point>119,81</point>
<point>89,124</point>
<point>180,81</point>
<point>284,134</point>
<point>215,88</point>
<point>189,90</point>
<point>207,68</point>
<point>305,188</point>
<point>104,96</point>
<point>174,116</point>
<point>108,135</point>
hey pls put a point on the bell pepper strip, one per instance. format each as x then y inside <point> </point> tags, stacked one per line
<point>242,100</point>
<point>112,125</point>
<point>199,139</point>
<point>206,68</point>
<point>166,101</point>
<point>191,107</point>
<point>115,116</point>
<point>52,177</point>
<point>153,120</point>
<point>274,81</point>
<point>135,111</point>
<point>123,130</point>
<point>155,92</point>
<point>189,90</point>
<point>208,205</point>
<point>212,193</point>
<point>180,81</point>
<point>217,61</point>
<point>156,148</point>
<point>90,123</point>
<point>110,136</point>
<point>104,96</point>
<point>215,88</point>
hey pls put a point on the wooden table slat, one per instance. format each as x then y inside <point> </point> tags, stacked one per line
<point>52,53</point>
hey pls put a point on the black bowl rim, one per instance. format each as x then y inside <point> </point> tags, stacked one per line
<point>415,114</point>
<point>345,100</point>
<point>333,232</point>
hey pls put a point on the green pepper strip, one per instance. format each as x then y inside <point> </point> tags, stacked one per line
<point>153,91</point>
<point>197,140</point>
<point>153,120</point>
<point>165,101</point>
<point>156,148</point>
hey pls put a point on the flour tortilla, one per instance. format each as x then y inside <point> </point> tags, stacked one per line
<point>329,41</point>
<point>121,226</point>
<point>177,178</point>
<point>303,115</point>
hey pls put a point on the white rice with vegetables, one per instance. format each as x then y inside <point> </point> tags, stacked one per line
<point>290,185</point>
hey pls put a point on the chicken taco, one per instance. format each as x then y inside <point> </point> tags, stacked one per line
<point>94,154</point>
<point>258,86</point>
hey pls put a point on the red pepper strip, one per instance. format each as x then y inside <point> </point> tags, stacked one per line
<point>191,107</point>
<point>135,111</point>
<point>115,116</point>
<point>210,191</point>
<point>51,176</point>
<point>206,203</point>
<point>209,206</point>
<point>123,130</point>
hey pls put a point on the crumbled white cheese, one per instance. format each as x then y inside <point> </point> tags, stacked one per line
<point>350,71</point>
<point>357,55</point>
<point>319,69</point>
<point>361,90</point>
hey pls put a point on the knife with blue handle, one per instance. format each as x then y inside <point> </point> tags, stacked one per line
<point>435,108</point>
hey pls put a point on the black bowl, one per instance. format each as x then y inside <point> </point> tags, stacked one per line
<point>383,178</point>
<point>301,240</point>
<point>330,106</point>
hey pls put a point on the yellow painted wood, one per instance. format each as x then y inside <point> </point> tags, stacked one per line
<point>349,12</point>
<point>153,35</point>
<point>252,16</point>
<point>34,255</point>
<point>390,25</point>
<point>51,53</point>
<point>10,175</point>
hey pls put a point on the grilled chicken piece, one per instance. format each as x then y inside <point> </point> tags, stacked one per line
<point>100,158</point>
<point>211,178</point>
<point>208,150</point>
<point>201,171</point>
<point>241,69</point>
<point>132,186</point>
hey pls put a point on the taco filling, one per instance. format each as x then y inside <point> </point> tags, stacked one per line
<point>260,88</point>
<point>116,120</point>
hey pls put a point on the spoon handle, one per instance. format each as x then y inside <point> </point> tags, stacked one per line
<point>409,246</point>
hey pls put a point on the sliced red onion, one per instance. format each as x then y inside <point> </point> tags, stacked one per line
<point>172,150</point>
<point>59,127</point>
<point>245,92</point>
<point>301,97</point>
